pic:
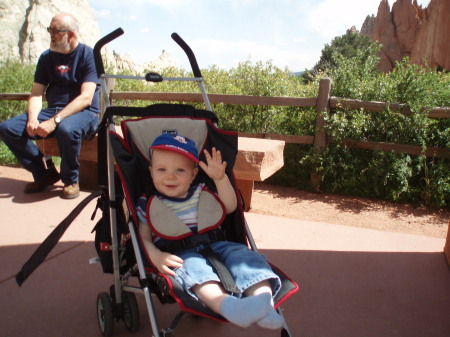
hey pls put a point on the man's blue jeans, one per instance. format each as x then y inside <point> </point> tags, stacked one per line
<point>68,134</point>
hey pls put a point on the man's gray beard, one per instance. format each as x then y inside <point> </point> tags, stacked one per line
<point>61,47</point>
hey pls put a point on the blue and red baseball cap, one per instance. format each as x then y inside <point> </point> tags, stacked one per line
<point>176,143</point>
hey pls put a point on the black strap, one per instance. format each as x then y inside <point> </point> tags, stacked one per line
<point>226,279</point>
<point>193,241</point>
<point>45,248</point>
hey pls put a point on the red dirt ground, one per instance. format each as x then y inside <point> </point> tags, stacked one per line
<point>332,208</point>
<point>350,211</point>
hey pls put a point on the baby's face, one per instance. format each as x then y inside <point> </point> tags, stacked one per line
<point>172,173</point>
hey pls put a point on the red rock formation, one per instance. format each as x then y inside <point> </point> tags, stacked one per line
<point>433,39</point>
<point>410,30</point>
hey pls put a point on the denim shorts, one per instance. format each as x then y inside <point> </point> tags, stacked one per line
<point>246,266</point>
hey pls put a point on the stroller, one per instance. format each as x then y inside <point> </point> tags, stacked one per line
<point>123,176</point>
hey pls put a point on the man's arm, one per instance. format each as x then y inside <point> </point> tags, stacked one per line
<point>81,102</point>
<point>34,106</point>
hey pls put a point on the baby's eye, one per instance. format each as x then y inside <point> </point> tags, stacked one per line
<point>181,170</point>
<point>161,169</point>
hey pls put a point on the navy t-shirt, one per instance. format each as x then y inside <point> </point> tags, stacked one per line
<point>63,75</point>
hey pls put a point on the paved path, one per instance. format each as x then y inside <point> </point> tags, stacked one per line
<point>354,282</point>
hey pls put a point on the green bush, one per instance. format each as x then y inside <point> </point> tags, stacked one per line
<point>14,78</point>
<point>260,79</point>
<point>392,176</point>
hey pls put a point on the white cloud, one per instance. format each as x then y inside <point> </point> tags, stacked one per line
<point>298,39</point>
<point>228,54</point>
<point>125,17</point>
<point>104,14</point>
<point>170,6</point>
<point>332,18</point>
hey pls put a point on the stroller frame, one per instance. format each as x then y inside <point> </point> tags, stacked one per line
<point>120,302</point>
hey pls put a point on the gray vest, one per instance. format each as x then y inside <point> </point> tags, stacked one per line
<point>164,223</point>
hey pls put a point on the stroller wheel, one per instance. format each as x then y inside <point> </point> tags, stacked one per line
<point>130,311</point>
<point>105,314</point>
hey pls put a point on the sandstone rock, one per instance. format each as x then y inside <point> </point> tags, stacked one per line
<point>163,61</point>
<point>126,62</point>
<point>384,32</point>
<point>409,30</point>
<point>11,19</point>
<point>407,24</point>
<point>368,25</point>
<point>258,159</point>
<point>433,38</point>
<point>24,35</point>
<point>24,25</point>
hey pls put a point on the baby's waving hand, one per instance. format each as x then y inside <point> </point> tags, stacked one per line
<point>215,169</point>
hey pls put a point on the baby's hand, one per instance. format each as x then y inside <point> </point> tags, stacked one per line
<point>214,167</point>
<point>164,262</point>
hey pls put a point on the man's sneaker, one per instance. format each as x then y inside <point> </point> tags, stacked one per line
<point>71,191</point>
<point>50,177</point>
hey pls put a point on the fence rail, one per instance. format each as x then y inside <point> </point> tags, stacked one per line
<point>335,102</point>
<point>322,103</point>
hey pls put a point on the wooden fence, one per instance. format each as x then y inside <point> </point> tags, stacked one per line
<point>323,103</point>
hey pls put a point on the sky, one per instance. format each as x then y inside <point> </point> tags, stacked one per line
<point>290,33</point>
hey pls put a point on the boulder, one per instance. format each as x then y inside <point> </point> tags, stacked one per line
<point>24,33</point>
<point>24,25</point>
<point>411,31</point>
<point>433,38</point>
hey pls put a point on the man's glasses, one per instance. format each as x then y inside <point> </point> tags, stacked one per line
<point>56,31</point>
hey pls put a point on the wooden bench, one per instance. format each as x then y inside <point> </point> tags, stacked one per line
<point>257,160</point>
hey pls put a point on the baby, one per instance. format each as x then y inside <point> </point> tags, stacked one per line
<point>173,168</point>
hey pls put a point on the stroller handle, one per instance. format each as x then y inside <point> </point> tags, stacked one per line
<point>189,53</point>
<point>99,45</point>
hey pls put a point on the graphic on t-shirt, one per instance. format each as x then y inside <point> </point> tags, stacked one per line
<point>62,69</point>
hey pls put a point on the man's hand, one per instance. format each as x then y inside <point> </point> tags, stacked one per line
<point>46,128</point>
<point>32,126</point>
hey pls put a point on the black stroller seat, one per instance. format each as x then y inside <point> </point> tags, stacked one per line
<point>132,159</point>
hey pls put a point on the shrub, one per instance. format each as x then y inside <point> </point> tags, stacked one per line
<point>393,176</point>
<point>14,78</point>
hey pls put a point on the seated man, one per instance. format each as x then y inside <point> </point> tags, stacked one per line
<point>66,75</point>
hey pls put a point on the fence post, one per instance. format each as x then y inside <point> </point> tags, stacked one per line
<point>320,137</point>
<point>109,87</point>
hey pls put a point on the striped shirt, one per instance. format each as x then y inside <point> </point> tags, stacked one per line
<point>184,208</point>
